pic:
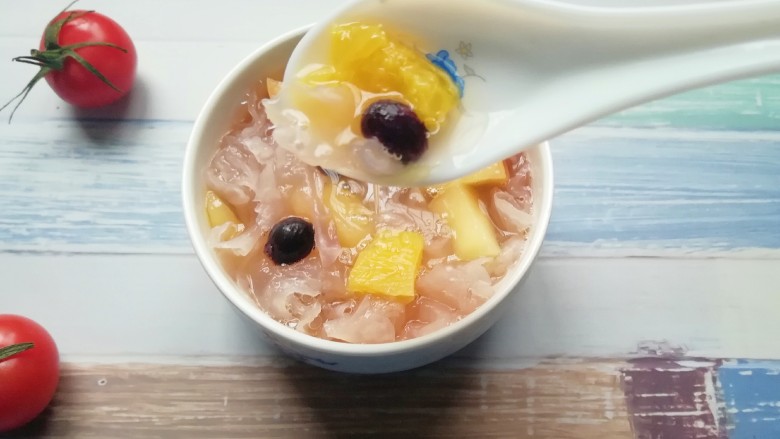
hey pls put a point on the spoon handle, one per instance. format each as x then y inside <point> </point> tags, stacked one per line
<point>535,69</point>
<point>642,32</point>
<point>572,65</point>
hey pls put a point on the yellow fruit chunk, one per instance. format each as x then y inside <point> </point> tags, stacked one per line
<point>353,220</point>
<point>220,213</point>
<point>365,56</point>
<point>329,107</point>
<point>301,204</point>
<point>273,87</point>
<point>474,236</point>
<point>388,266</point>
<point>493,174</point>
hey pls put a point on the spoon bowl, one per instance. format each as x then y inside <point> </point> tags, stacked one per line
<point>534,69</point>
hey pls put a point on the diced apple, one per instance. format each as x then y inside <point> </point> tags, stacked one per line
<point>353,220</point>
<point>220,213</point>
<point>301,204</point>
<point>388,266</point>
<point>493,174</point>
<point>273,87</point>
<point>474,235</point>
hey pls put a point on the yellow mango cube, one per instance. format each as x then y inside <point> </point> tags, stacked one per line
<point>474,235</point>
<point>353,220</point>
<point>388,266</point>
<point>493,174</point>
<point>220,213</point>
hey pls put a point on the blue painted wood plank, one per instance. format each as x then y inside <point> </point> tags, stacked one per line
<point>92,185</point>
<point>666,188</point>
<point>114,186</point>
<point>749,104</point>
<point>751,391</point>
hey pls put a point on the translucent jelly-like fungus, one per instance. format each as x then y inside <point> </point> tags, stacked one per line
<point>345,260</point>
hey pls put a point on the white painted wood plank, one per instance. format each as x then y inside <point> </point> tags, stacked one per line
<point>174,81</point>
<point>92,186</point>
<point>186,47</point>
<point>233,20</point>
<point>177,20</point>
<point>164,308</point>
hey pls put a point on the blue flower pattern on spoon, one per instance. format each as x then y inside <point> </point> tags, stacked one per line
<point>442,59</point>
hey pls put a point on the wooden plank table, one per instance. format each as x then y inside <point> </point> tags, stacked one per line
<point>652,312</point>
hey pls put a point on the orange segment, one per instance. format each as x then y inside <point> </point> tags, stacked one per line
<point>388,266</point>
<point>365,56</point>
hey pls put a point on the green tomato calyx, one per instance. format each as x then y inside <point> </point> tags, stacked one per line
<point>10,351</point>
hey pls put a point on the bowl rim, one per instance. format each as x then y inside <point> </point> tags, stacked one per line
<point>242,301</point>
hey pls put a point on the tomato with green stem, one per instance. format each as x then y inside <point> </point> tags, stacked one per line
<point>87,58</point>
<point>29,370</point>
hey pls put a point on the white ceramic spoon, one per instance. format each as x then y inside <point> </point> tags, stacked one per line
<point>535,69</point>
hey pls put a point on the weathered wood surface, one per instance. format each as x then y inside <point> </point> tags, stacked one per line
<point>662,394</point>
<point>564,401</point>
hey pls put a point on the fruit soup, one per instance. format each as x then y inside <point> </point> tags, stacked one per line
<point>356,262</point>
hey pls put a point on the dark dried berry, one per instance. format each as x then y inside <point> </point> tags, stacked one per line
<point>290,240</point>
<point>397,127</point>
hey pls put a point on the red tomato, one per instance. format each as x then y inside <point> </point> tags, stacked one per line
<point>74,83</point>
<point>86,57</point>
<point>28,379</point>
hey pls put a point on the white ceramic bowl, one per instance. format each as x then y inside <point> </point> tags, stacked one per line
<point>214,120</point>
